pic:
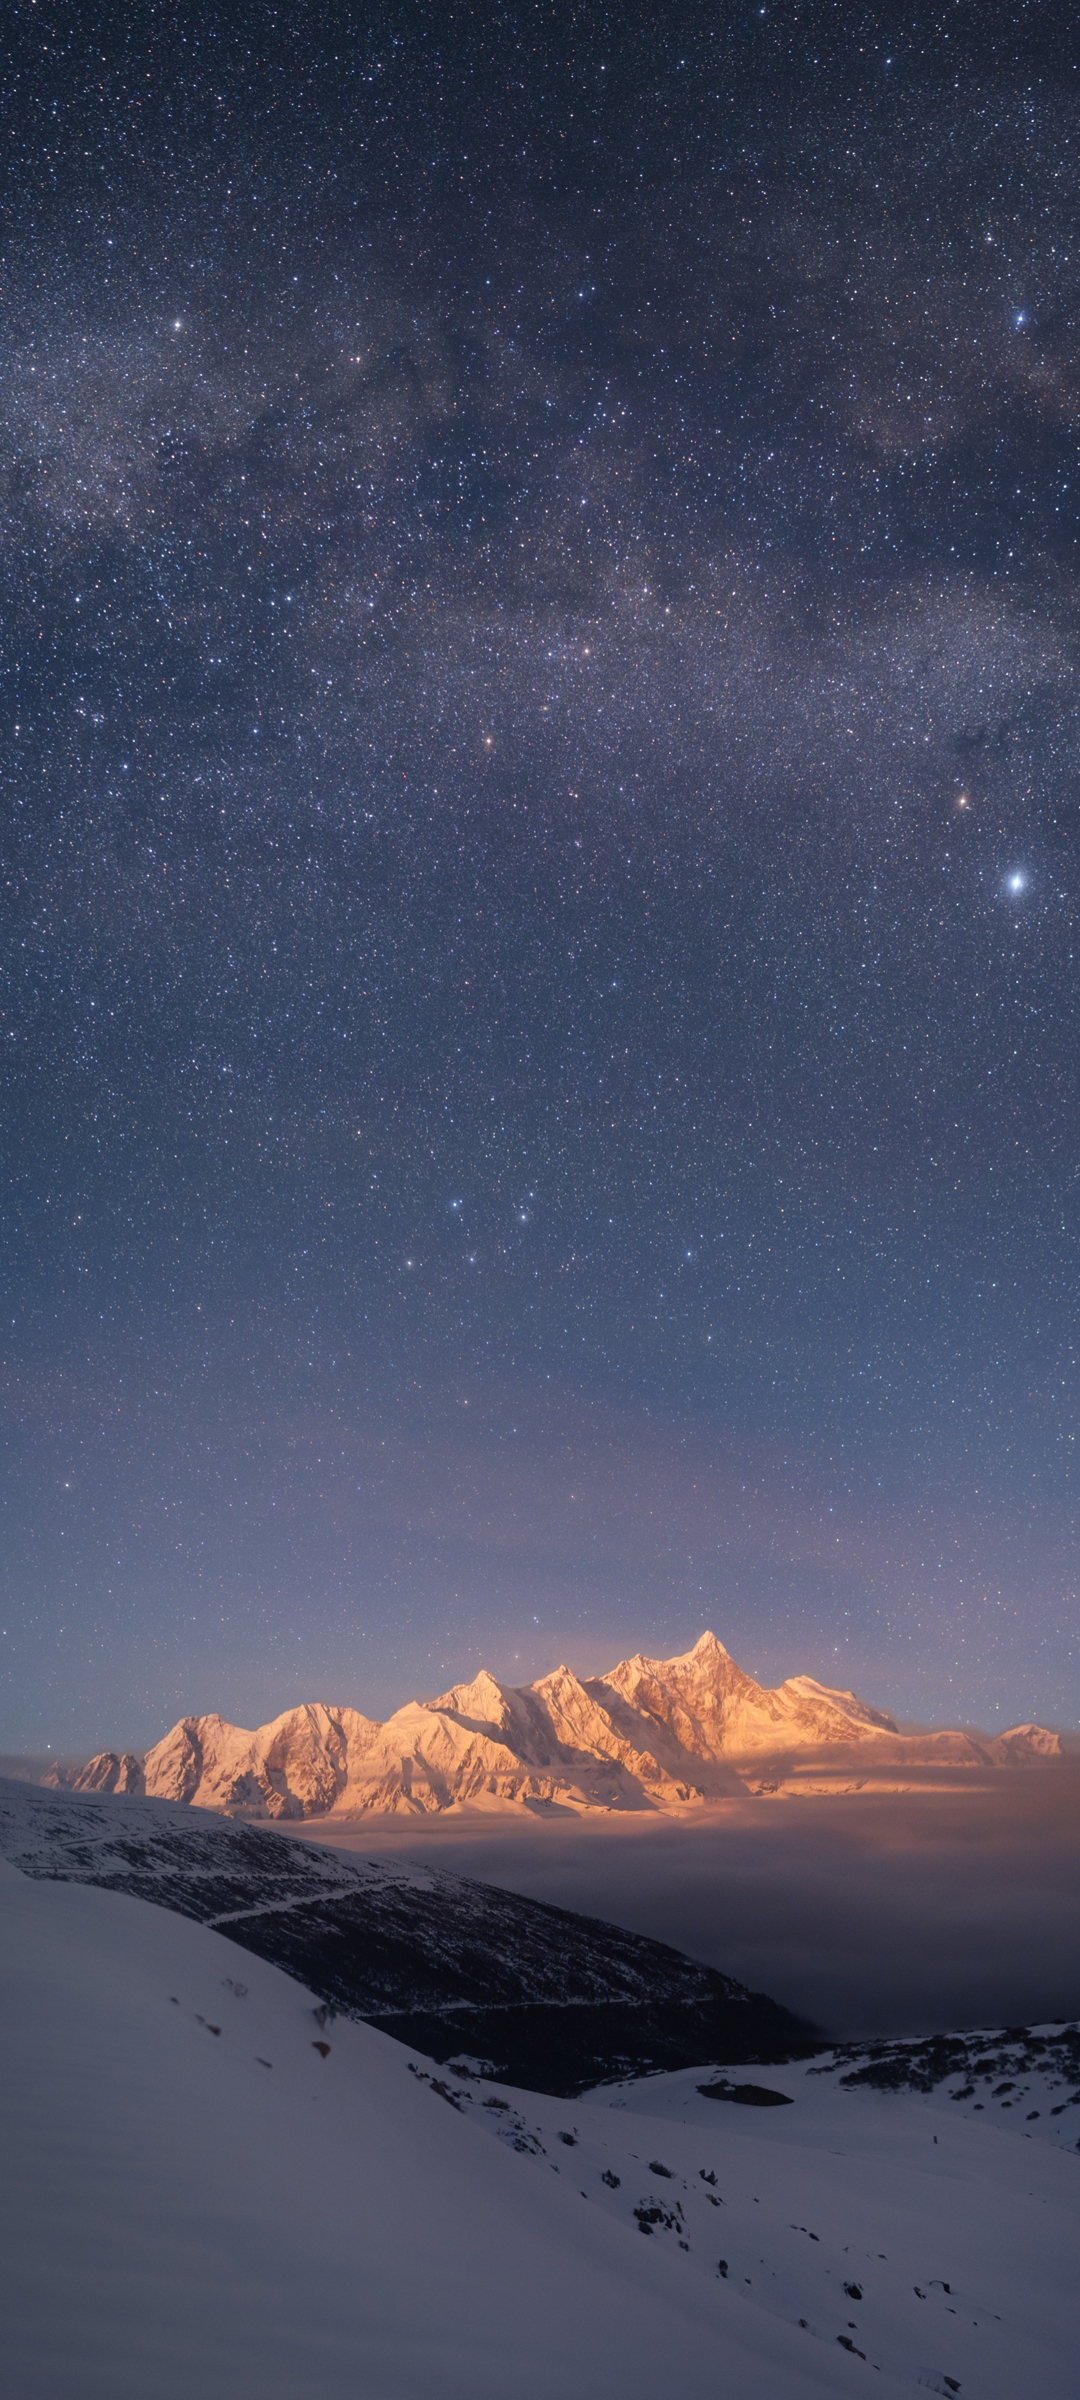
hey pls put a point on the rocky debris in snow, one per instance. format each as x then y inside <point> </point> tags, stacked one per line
<point>1014,2055</point>
<point>745,2095</point>
<point>649,2213</point>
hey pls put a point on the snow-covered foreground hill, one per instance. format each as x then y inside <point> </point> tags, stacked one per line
<point>209,2191</point>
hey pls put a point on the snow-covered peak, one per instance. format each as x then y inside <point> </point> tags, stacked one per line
<point>481,1702</point>
<point>707,1647</point>
<point>828,1696</point>
<point>650,1733</point>
<point>563,1688</point>
<point>110,1771</point>
<point>1023,1745</point>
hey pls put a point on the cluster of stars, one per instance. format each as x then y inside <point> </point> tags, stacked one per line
<point>541,850</point>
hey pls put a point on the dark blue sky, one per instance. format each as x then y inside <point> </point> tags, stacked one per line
<point>539,686</point>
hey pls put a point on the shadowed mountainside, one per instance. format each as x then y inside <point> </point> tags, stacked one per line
<point>541,1997</point>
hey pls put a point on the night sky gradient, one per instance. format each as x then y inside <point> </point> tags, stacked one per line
<point>540,750</point>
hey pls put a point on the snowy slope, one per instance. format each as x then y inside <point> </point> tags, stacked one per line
<point>552,1999</point>
<point>651,1734</point>
<point>935,2228</point>
<point>207,2190</point>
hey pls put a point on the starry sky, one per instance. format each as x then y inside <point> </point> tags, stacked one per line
<point>540,837</point>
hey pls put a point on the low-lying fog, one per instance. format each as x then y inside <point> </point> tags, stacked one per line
<point>868,1913</point>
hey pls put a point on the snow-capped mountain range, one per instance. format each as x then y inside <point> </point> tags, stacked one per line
<point>665,1734</point>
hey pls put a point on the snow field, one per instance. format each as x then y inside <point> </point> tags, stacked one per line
<point>197,2201</point>
<point>200,2202</point>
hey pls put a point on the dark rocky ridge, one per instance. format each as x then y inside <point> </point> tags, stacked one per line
<point>971,2060</point>
<point>546,1999</point>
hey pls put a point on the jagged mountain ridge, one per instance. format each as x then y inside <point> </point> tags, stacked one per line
<point>557,2000</point>
<point>663,1734</point>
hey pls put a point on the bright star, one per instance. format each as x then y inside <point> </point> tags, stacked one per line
<point>1016,883</point>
